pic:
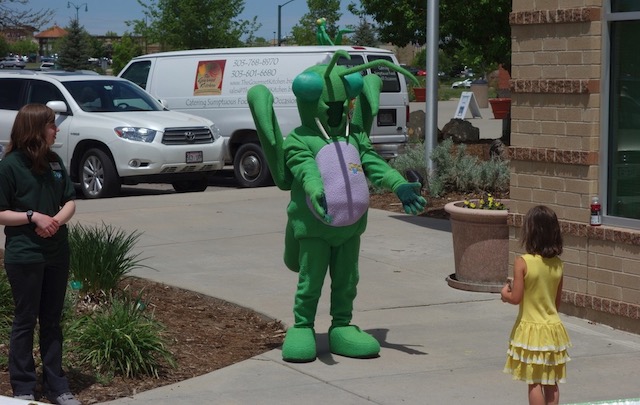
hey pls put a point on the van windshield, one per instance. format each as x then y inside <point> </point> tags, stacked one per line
<point>111,96</point>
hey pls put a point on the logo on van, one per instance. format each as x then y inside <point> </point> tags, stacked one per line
<point>190,136</point>
<point>209,78</point>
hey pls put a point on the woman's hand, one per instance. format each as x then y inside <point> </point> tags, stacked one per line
<point>46,226</point>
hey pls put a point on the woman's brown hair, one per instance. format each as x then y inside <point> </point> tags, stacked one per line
<point>541,232</point>
<point>29,135</point>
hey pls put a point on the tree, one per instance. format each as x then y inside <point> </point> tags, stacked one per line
<point>194,24</point>
<point>258,41</point>
<point>304,33</point>
<point>24,47</point>
<point>364,34</point>
<point>478,29</point>
<point>75,48</point>
<point>123,51</point>
<point>11,16</point>
<point>4,46</point>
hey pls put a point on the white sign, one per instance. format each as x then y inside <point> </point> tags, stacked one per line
<point>467,101</point>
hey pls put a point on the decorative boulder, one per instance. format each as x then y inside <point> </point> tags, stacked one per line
<point>461,131</point>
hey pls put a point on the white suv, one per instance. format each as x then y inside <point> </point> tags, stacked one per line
<point>112,132</point>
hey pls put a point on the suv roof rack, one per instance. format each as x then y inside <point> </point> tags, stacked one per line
<point>66,72</point>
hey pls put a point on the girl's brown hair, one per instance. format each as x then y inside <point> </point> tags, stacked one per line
<point>541,232</point>
<point>29,135</point>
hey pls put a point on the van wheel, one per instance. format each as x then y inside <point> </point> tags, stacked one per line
<point>191,186</point>
<point>250,166</point>
<point>98,176</point>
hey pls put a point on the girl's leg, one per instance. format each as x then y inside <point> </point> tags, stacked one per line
<point>536,395</point>
<point>552,394</point>
<point>26,287</point>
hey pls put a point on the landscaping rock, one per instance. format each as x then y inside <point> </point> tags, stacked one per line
<point>461,131</point>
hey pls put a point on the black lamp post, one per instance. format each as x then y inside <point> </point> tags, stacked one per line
<point>86,8</point>
<point>280,20</point>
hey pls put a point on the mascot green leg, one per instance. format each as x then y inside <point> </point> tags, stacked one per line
<point>300,343</point>
<point>316,256</point>
<point>345,339</point>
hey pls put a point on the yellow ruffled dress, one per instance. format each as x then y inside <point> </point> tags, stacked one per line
<point>538,344</point>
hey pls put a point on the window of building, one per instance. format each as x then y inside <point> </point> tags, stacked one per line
<point>623,141</point>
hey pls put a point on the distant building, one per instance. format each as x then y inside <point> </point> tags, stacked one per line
<point>47,38</point>
<point>18,33</point>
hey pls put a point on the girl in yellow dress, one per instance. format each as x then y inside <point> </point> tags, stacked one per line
<point>538,343</point>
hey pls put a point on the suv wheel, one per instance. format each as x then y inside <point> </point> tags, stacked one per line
<point>250,166</point>
<point>98,176</point>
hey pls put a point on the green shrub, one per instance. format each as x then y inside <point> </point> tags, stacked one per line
<point>457,171</point>
<point>121,339</point>
<point>454,170</point>
<point>101,256</point>
<point>412,159</point>
<point>6,312</point>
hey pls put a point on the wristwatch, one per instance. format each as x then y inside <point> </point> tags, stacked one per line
<point>30,215</point>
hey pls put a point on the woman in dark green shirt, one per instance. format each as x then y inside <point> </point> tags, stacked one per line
<point>36,202</point>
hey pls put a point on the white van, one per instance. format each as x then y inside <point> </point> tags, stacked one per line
<point>213,83</point>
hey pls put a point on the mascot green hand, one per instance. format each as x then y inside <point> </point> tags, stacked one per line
<point>326,163</point>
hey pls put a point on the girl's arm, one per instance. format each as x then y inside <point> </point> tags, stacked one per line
<point>514,294</point>
<point>559,295</point>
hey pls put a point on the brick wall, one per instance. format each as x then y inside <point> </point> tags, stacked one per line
<point>556,97</point>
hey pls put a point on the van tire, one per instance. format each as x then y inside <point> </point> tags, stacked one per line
<point>250,166</point>
<point>191,186</point>
<point>98,175</point>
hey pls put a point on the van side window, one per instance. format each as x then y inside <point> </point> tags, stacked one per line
<point>138,73</point>
<point>43,92</point>
<point>10,94</point>
<point>390,81</point>
<point>356,60</point>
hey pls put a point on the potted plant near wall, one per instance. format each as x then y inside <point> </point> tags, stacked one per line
<point>479,224</point>
<point>480,244</point>
<point>501,105</point>
<point>419,90</point>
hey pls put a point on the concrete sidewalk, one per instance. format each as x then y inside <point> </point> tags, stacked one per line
<point>439,345</point>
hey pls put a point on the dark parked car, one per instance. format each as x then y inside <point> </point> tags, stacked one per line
<point>12,62</point>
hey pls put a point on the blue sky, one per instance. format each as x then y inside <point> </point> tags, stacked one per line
<point>110,15</point>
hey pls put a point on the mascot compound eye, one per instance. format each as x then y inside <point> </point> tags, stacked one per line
<point>353,84</point>
<point>307,86</point>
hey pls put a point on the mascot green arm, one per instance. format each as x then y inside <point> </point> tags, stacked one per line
<point>261,106</point>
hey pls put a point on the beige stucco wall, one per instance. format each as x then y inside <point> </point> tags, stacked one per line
<point>557,74</point>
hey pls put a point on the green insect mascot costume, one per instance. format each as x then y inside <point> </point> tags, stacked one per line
<point>325,163</point>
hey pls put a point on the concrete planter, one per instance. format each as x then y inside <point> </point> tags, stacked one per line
<point>480,248</point>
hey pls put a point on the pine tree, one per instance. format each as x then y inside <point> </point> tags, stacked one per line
<point>75,48</point>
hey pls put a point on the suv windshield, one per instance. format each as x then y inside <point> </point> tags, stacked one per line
<point>111,96</point>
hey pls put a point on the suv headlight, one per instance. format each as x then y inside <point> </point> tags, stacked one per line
<point>215,131</point>
<point>136,134</point>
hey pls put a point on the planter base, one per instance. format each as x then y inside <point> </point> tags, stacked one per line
<point>471,286</point>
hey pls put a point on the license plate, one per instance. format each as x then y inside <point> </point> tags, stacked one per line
<point>194,157</point>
